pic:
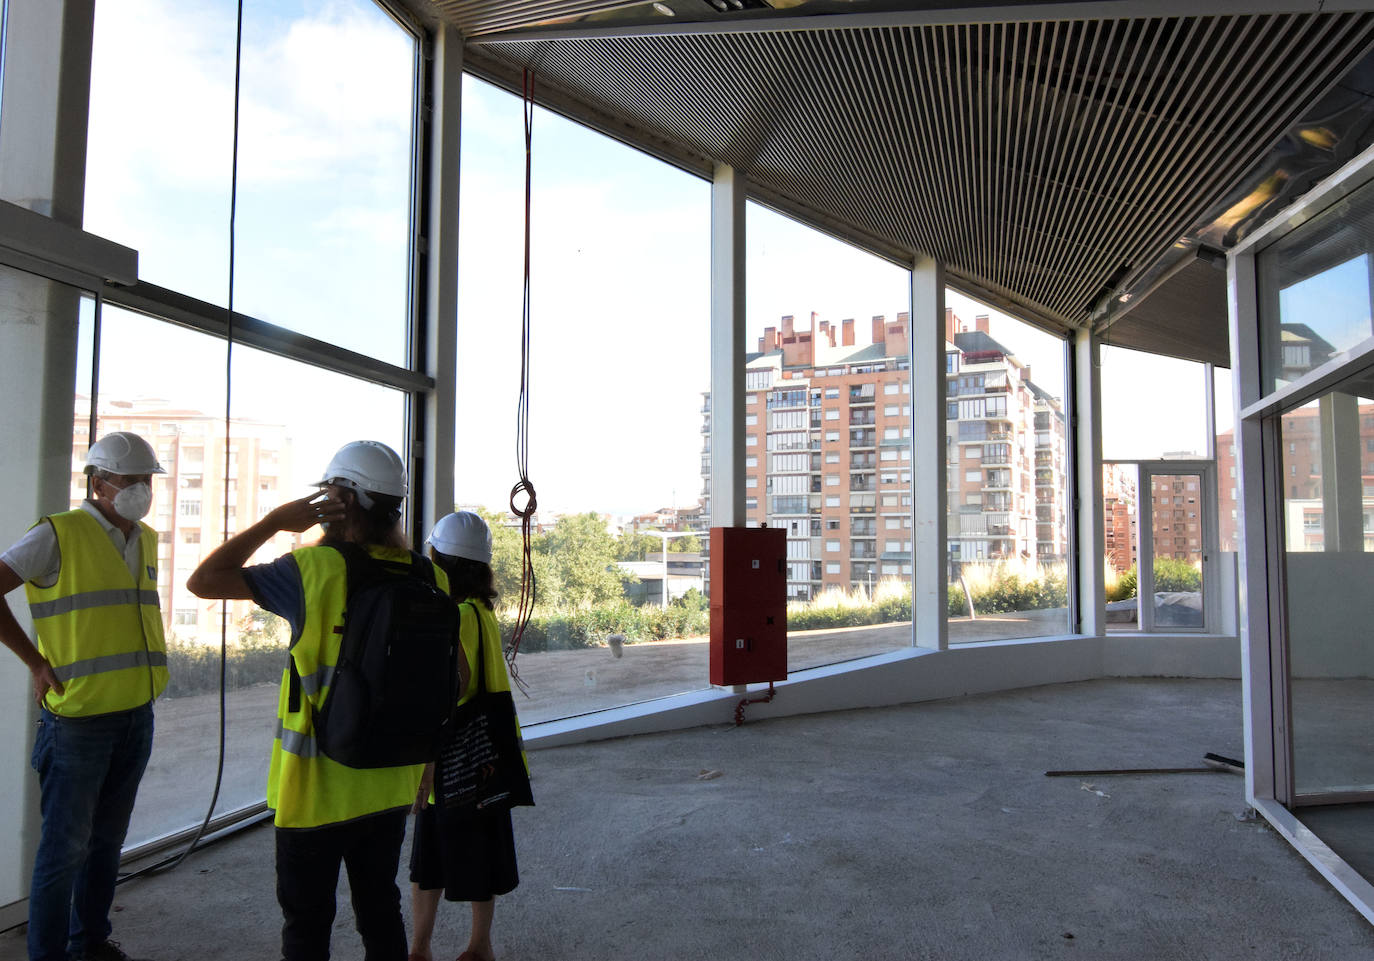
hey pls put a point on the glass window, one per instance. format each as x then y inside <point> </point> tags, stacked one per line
<point>1328,545</point>
<point>617,478</point>
<point>1315,291</point>
<point>1152,406</point>
<point>277,446</point>
<point>808,289</point>
<point>1227,505</point>
<point>325,158</point>
<point>1008,522</point>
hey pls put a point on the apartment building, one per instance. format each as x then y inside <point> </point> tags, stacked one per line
<point>828,458</point>
<point>1306,459</point>
<point>1005,446</point>
<point>189,500</point>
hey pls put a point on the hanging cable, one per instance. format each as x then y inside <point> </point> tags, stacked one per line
<point>171,862</point>
<point>524,486</point>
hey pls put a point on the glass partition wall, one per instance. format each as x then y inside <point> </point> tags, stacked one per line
<point>1307,423</point>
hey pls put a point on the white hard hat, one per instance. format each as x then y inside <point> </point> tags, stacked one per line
<point>367,465</point>
<point>122,452</point>
<point>462,534</point>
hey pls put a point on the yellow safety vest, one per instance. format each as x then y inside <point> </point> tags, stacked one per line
<point>98,626</point>
<point>305,788</point>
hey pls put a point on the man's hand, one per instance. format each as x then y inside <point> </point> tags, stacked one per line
<point>44,680</point>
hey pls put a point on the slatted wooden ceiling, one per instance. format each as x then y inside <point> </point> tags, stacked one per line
<point>1044,161</point>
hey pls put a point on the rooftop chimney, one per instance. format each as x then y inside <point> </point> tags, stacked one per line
<point>980,322</point>
<point>879,329</point>
<point>847,332</point>
<point>769,341</point>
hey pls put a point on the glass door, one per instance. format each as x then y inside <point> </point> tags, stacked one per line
<point>1160,546</point>
<point>1326,465</point>
<point>1176,545</point>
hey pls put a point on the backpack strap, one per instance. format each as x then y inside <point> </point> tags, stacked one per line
<point>293,694</point>
<point>480,674</point>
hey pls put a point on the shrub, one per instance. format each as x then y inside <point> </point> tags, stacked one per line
<point>1000,587</point>
<point>1176,574</point>
<point>1120,585</point>
<point>195,668</point>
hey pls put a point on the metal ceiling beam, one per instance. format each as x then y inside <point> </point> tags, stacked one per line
<point>935,14</point>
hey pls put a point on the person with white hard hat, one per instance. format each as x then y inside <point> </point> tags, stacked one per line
<point>469,857</point>
<point>98,663</point>
<point>326,814</point>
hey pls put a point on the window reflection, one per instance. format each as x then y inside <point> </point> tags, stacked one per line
<point>1315,291</point>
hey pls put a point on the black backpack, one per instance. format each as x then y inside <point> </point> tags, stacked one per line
<point>396,680</point>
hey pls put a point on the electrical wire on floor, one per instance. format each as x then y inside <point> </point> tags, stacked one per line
<point>524,487</point>
<point>739,708</point>
<point>166,864</point>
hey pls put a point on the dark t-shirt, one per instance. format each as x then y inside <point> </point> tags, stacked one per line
<point>276,587</point>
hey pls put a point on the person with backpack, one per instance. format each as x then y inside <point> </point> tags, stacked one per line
<point>464,856</point>
<point>326,812</point>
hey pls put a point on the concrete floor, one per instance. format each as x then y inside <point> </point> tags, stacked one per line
<point>560,684</point>
<point>912,832</point>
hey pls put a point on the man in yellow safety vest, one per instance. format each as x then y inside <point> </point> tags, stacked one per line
<point>98,664</point>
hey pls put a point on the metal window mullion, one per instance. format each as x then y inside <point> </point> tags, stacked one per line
<point>207,318</point>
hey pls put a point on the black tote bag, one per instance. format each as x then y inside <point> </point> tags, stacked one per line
<point>481,766</point>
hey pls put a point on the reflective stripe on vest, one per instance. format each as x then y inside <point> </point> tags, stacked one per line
<point>82,602</point>
<point>109,662</point>
<point>294,742</point>
<point>305,788</point>
<point>313,684</point>
<point>99,625</point>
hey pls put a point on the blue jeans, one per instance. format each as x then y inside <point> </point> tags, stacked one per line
<point>88,774</point>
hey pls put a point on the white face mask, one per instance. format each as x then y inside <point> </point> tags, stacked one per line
<point>132,502</point>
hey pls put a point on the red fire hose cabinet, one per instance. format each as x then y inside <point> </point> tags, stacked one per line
<point>748,605</point>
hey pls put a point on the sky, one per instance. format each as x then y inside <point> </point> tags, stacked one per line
<point>620,254</point>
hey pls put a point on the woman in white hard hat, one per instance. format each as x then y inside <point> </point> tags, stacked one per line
<point>326,814</point>
<point>468,857</point>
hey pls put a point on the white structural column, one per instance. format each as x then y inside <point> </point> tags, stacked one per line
<point>930,495</point>
<point>1086,412</point>
<point>727,348</point>
<point>441,296</point>
<point>1342,485</point>
<point>43,120</point>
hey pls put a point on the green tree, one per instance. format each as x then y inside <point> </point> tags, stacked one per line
<point>634,546</point>
<point>582,555</point>
<point>505,554</point>
<point>690,544</point>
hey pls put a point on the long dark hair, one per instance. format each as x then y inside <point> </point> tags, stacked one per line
<point>468,580</point>
<point>379,525</point>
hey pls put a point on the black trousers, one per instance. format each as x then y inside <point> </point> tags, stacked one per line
<point>308,873</point>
